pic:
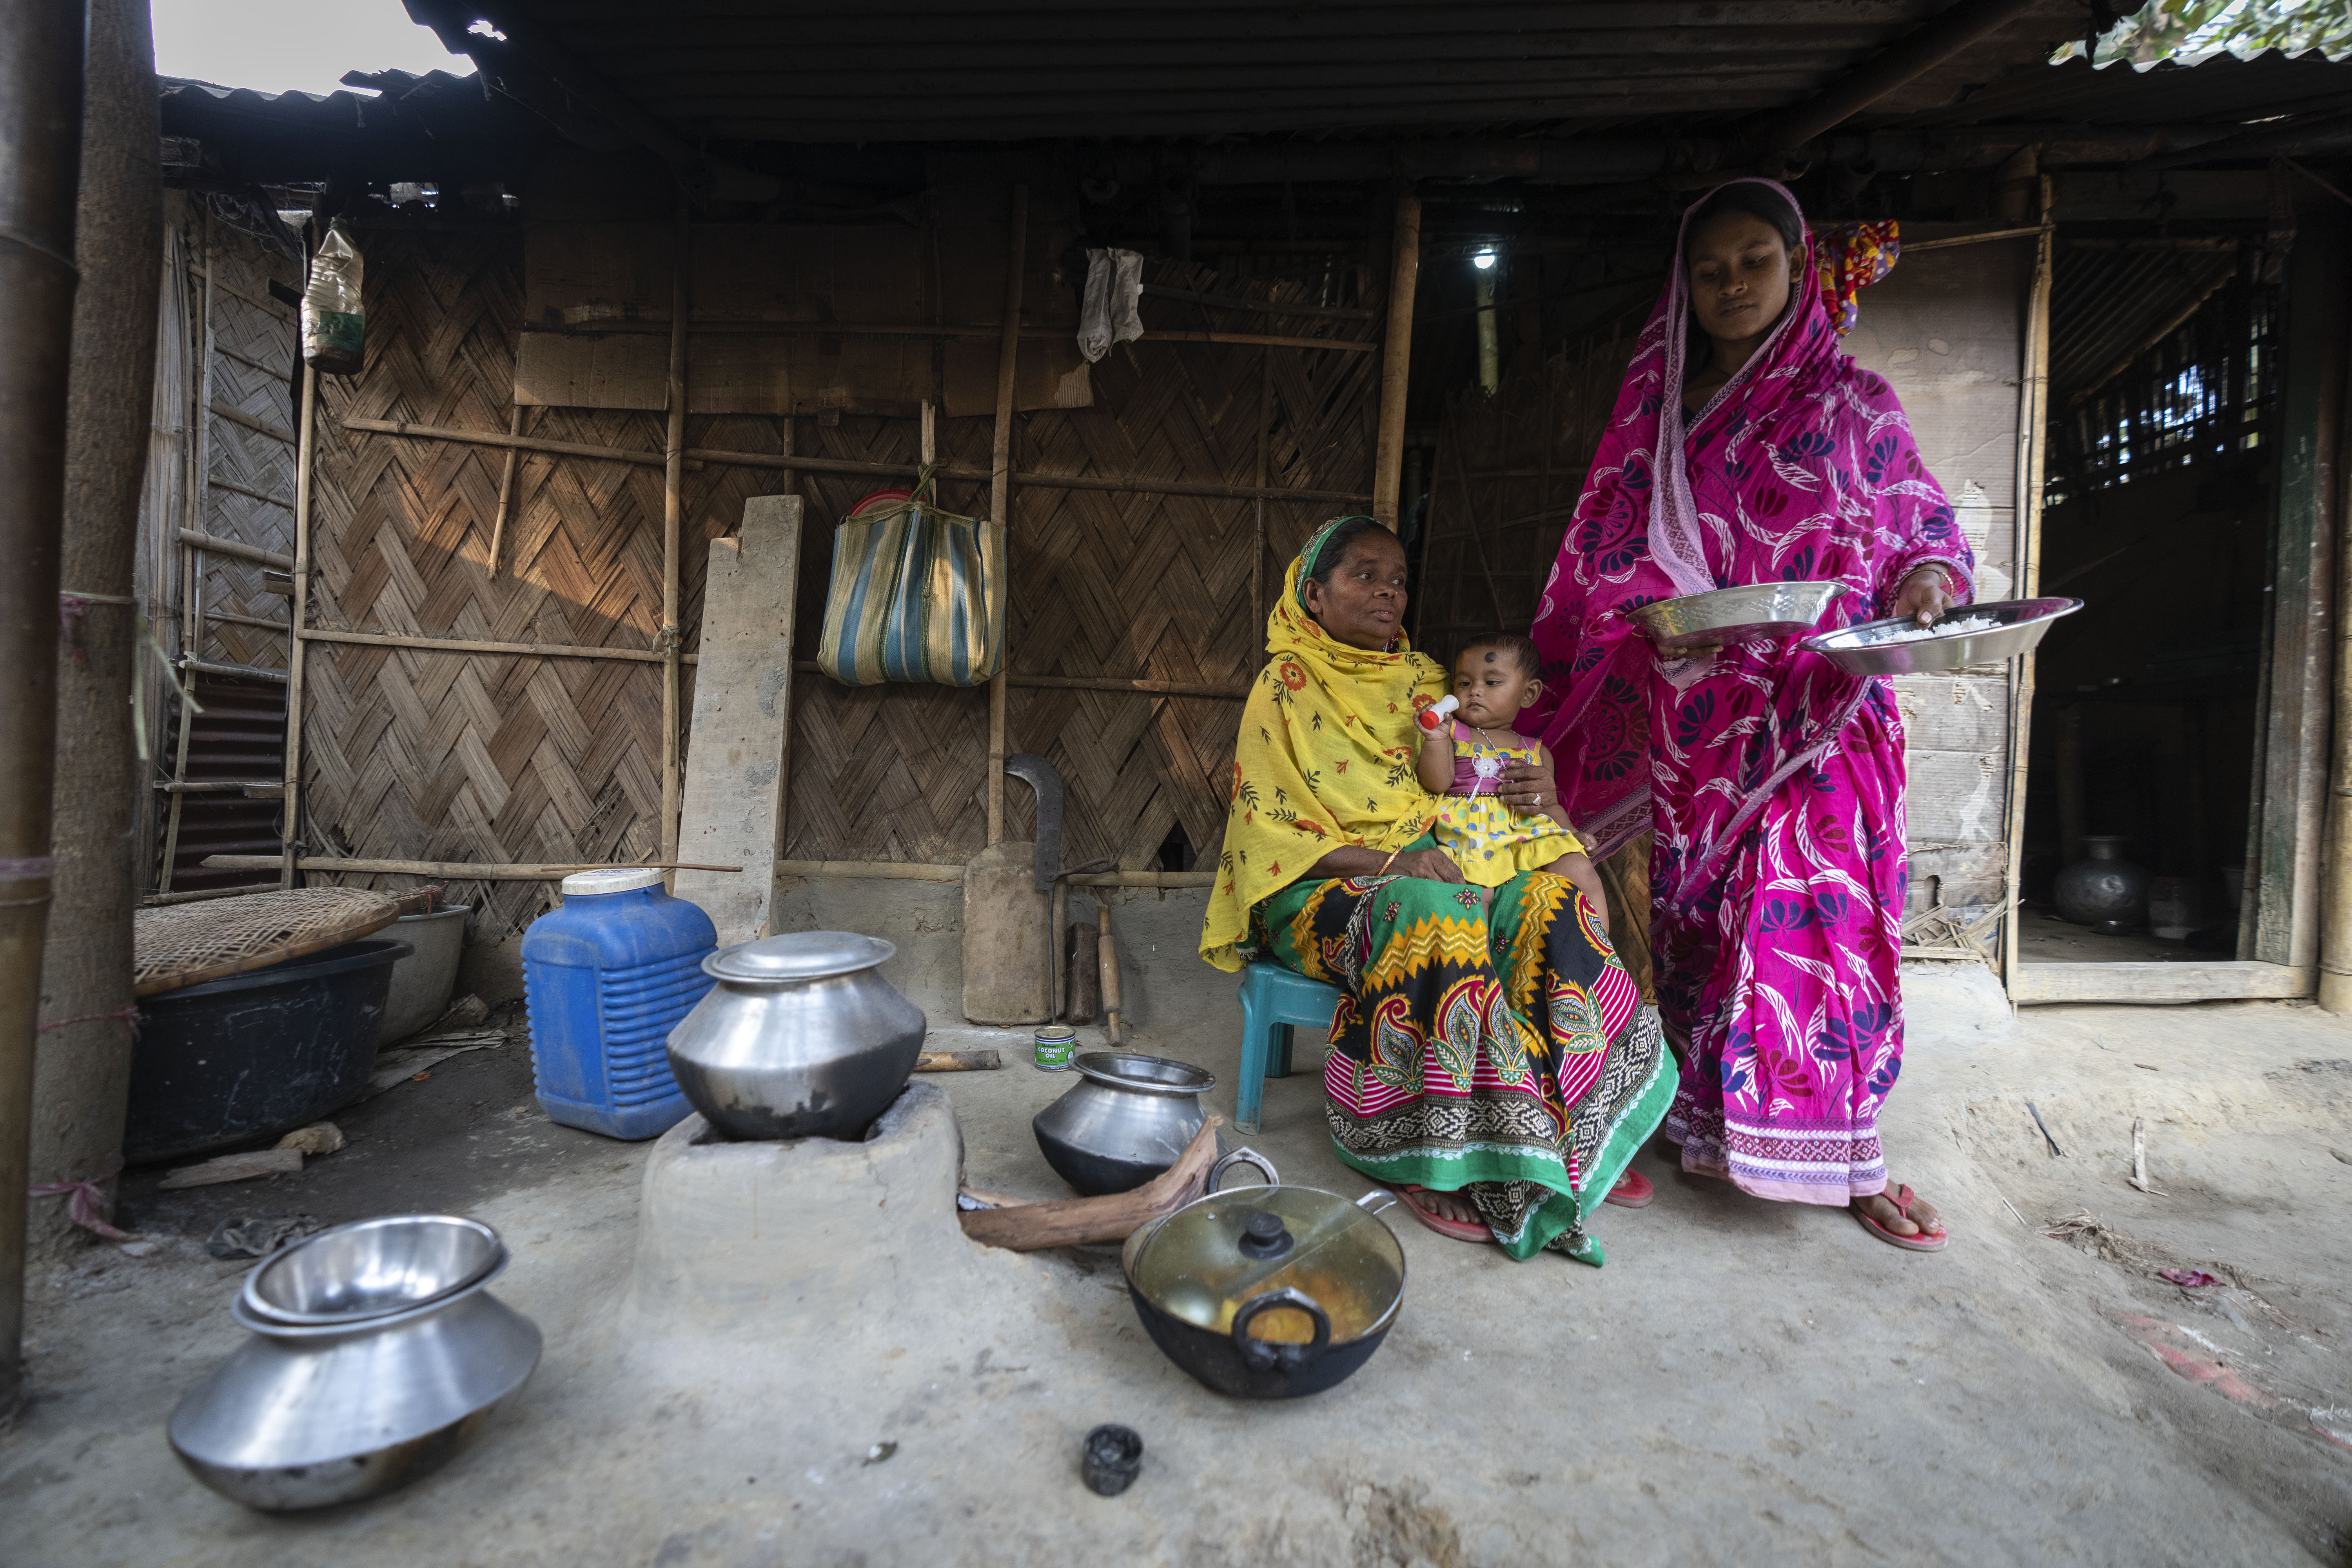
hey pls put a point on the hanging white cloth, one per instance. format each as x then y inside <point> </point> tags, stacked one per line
<point>1114,284</point>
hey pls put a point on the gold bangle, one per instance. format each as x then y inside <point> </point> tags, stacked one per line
<point>1390,861</point>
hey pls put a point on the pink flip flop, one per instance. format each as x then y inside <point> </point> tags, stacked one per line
<point>1460,1230</point>
<point>1633,1191</point>
<point>1927,1240</point>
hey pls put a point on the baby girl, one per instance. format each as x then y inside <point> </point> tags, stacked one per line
<point>1462,762</point>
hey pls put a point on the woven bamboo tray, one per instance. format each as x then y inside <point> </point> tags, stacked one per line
<point>187,945</point>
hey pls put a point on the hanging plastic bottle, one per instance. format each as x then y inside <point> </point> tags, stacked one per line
<point>335,330</point>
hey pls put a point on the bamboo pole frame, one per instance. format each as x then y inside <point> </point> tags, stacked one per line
<point>506,489</point>
<point>523,871</point>
<point>697,456</point>
<point>673,638</point>
<point>305,460</point>
<point>919,330</point>
<point>192,559</point>
<point>1000,488</point>
<point>1396,358</point>
<point>2033,412</point>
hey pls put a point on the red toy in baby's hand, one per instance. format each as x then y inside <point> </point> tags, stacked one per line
<point>1431,717</point>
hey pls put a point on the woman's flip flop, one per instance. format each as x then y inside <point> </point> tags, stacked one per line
<point>1460,1230</point>
<point>1931,1237</point>
<point>1633,1191</point>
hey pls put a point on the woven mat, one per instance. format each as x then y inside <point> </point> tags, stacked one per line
<point>186,944</point>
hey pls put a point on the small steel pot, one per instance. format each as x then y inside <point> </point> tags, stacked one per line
<point>1129,1118</point>
<point>400,1359</point>
<point>1267,1292</point>
<point>802,1037</point>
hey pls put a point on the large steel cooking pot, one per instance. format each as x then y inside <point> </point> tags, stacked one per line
<point>800,1037</point>
<point>1267,1292</point>
<point>377,1354</point>
<point>1129,1118</point>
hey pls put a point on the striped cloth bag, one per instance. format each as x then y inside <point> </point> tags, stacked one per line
<point>917,594</point>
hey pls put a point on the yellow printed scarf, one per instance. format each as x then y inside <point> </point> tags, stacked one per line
<point>1325,757</point>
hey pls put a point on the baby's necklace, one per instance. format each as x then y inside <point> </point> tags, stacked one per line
<point>1483,763</point>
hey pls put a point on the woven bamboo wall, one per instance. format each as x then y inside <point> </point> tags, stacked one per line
<point>423,755</point>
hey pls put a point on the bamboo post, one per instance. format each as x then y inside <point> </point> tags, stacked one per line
<point>305,458</point>
<point>2032,414</point>
<point>1000,488</point>
<point>506,489</point>
<point>1257,547</point>
<point>192,559</point>
<point>1396,360</point>
<point>673,775</point>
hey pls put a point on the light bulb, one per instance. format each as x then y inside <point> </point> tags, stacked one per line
<point>1484,259</point>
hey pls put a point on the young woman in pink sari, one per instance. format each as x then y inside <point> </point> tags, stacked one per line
<point>1745,448</point>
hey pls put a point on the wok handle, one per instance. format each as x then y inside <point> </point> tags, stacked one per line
<point>1263,1355</point>
<point>1242,1157</point>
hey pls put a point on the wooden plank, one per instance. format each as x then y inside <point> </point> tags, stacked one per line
<point>616,371</point>
<point>2282,877</point>
<point>735,758</point>
<point>2041,983</point>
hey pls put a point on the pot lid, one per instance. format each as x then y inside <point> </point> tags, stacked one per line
<point>799,955</point>
<point>1145,1075</point>
<point>1210,1260</point>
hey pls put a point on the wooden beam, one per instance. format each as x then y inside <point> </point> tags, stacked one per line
<point>2032,457</point>
<point>2035,984</point>
<point>1396,358</point>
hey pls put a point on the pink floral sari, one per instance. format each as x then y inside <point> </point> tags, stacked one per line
<point>1773,781</point>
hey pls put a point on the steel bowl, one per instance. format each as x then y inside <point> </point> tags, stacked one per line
<point>371,1269</point>
<point>802,1037</point>
<point>1129,1118</point>
<point>308,1415</point>
<point>1866,650</point>
<point>1754,611</point>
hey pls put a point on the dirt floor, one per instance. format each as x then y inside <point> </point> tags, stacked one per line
<point>1742,1384</point>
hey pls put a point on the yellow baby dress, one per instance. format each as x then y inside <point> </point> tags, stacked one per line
<point>1487,838</point>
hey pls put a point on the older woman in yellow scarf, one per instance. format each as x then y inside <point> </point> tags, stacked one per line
<point>1494,1065</point>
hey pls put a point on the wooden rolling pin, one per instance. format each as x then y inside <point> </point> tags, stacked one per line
<point>1114,1022</point>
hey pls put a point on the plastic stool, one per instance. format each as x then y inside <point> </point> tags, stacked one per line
<point>1272,999</point>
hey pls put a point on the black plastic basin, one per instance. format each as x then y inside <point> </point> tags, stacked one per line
<point>256,1053</point>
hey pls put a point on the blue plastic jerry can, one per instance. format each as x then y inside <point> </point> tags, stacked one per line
<point>606,977</point>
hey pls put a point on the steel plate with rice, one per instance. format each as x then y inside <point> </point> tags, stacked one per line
<point>1754,611</point>
<point>1963,635</point>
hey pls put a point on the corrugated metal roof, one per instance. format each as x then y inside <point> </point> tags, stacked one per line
<point>946,70</point>
<point>2220,91</point>
<point>436,126</point>
<point>2106,302</point>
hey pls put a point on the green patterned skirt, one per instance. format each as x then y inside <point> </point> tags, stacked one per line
<point>1505,1052</point>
